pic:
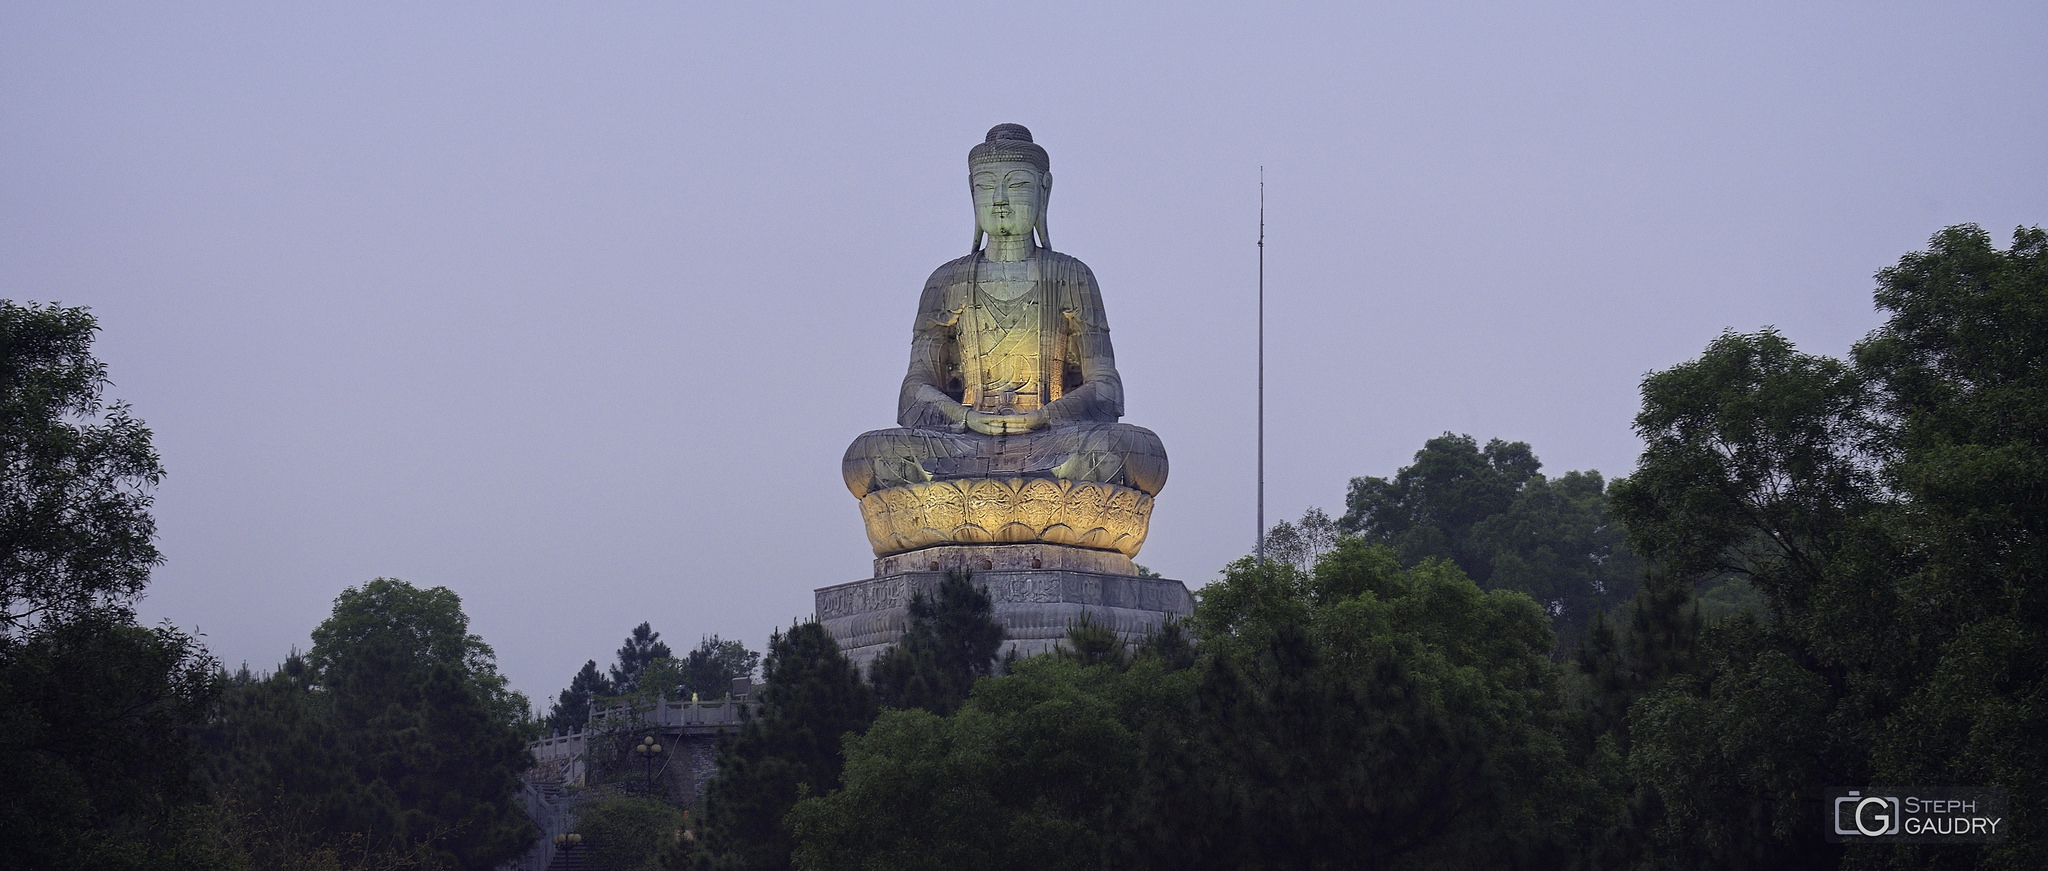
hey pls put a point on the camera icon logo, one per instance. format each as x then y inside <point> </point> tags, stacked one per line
<point>1868,815</point>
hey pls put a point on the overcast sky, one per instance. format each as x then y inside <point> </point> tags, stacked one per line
<point>572,308</point>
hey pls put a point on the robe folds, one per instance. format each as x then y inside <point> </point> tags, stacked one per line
<point>1046,349</point>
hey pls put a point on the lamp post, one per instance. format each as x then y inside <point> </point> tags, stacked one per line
<point>648,751</point>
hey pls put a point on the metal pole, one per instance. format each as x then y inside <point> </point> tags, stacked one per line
<point>1262,367</point>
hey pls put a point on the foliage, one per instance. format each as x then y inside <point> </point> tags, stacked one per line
<point>1508,527</point>
<point>76,536</point>
<point>1889,512</point>
<point>91,712</point>
<point>951,641</point>
<point>1092,643</point>
<point>92,706</point>
<point>628,833</point>
<point>1368,715</point>
<point>395,736</point>
<point>1029,774</point>
<point>710,669</point>
<point>571,711</point>
<point>1301,544</point>
<point>812,698</point>
<point>641,647</point>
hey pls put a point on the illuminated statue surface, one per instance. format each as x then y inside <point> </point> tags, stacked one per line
<point>1008,417</point>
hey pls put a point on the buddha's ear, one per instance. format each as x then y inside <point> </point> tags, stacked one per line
<point>975,246</point>
<point>1044,206</point>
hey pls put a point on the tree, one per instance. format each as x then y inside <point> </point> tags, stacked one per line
<point>388,617</point>
<point>75,474</point>
<point>92,716</point>
<point>1504,524</point>
<point>1888,511</point>
<point>1430,506</point>
<point>1367,715</point>
<point>1028,774</point>
<point>628,833</point>
<point>1301,544</point>
<point>571,711</point>
<point>952,640</point>
<point>395,737</point>
<point>710,669</point>
<point>643,646</point>
<point>92,706</point>
<point>812,698</point>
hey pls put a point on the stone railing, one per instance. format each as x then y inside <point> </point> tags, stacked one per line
<point>724,713</point>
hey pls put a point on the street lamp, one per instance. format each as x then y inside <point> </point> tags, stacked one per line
<point>649,751</point>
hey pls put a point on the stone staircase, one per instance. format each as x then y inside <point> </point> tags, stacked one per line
<point>573,858</point>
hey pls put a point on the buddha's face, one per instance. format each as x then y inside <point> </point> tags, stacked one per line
<point>1008,195</point>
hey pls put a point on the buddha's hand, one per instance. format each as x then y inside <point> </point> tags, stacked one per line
<point>1005,424</point>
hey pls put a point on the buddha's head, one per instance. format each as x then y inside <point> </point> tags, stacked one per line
<point>1011,178</point>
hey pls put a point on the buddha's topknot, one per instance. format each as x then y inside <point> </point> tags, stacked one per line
<point>1010,142</point>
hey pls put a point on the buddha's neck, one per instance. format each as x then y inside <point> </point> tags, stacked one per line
<point>1008,248</point>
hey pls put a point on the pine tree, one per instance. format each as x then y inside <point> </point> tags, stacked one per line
<point>641,647</point>
<point>571,711</point>
<point>953,639</point>
<point>790,749</point>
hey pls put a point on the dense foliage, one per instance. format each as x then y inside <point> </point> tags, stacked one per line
<point>640,649</point>
<point>76,473</point>
<point>812,698</point>
<point>91,704</point>
<point>629,832</point>
<point>709,670</point>
<point>951,640</point>
<point>1508,527</point>
<point>394,738</point>
<point>1893,511</point>
<point>571,710</point>
<point>1367,715</point>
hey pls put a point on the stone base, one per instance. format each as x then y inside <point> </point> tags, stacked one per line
<point>1035,607</point>
<point>973,558</point>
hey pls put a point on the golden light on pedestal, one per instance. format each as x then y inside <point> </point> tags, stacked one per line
<point>1006,511</point>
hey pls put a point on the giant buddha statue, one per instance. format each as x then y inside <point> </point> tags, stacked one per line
<point>1008,430</point>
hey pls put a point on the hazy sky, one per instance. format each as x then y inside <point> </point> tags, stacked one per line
<point>573,308</point>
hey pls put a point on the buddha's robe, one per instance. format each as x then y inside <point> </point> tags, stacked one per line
<point>1009,338</point>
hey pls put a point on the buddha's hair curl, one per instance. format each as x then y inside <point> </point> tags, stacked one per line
<point>1010,142</point>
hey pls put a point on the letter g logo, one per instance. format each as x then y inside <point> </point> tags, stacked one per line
<point>1886,823</point>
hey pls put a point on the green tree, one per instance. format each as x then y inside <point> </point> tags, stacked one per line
<point>76,474</point>
<point>92,713</point>
<point>628,833</point>
<point>812,698</point>
<point>1505,525</point>
<point>571,711</point>
<point>92,706</point>
<point>1429,507</point>
<point>1888,511</point>
<point>641,647</point>
<point>395,738</point>
<point>1029,774</point>
<point>951,641</point>
<point>710,669</point>
<point>1368,715</point>
<point>1300,544</point>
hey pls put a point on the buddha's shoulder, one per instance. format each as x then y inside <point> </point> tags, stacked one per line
<point>1060,267</point>
<point>955,271</point>
<point>1066,266</point>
